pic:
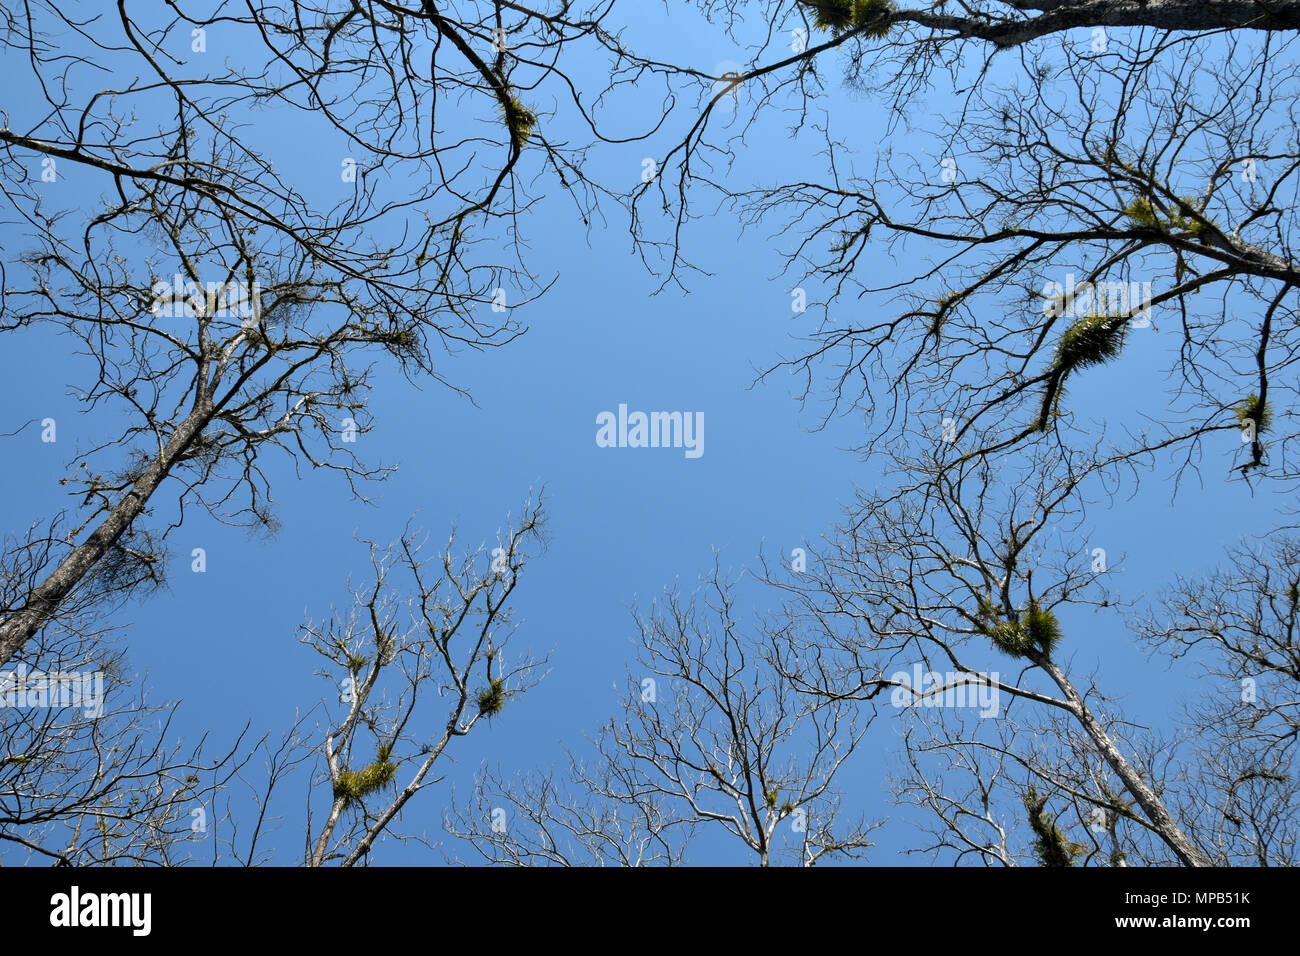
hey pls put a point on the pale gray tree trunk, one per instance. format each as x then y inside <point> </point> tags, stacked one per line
<point>44,600</point>
<point>1147,798</point>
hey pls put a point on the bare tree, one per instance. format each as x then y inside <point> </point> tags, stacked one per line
<point>421,658</point>
<point>1032,788</point>
<point>979,270</point>
<point>1076,196</point>
<point>1239,626</point>
<point>588,817</point>
<point>91,772</point>
<point>223,311</point>
<point>1223,769</point>
<point>418,659</point>
<point>1068,232</point>
<point>712,738</point>
<point>958,569</point>
<point>1086,193</point>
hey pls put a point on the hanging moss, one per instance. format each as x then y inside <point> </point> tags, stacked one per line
<point>841,16</point>
<point>1091,340</point>
<point>354,785</point>
<point>1033,629</point>
<point>520,120</point>
<point>1256,411</point>
<point>1143,212</point>
<point>492,699</point>
<point>1051,848</point>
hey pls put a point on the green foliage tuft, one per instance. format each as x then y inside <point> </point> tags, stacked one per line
<point>1143,212</point>
<point>1091,340</point>
<point>1009,637</point>
<point>771,797</point>
<point>1042,628</point>
<point>833,15</point>
<point>354,785</point>
<point>1254,410</point>
<point>492,699</point>
<point>1051,848</point>
<point>1034,629</point>
<point>841,16</point>
<point>520,120</point>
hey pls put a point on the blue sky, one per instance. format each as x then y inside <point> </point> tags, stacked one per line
<point>623,523</point>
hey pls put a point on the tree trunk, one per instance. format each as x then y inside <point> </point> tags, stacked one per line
<point>44,600</point>
<point>1147,798</point>
<point>1056,16</point>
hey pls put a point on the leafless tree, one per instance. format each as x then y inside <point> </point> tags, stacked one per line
<point>1238,625</point>
<point>1164,151</point>
<point>1153,156</point>
<point>421,658</point>
<point>712,738</point>
<point>969,287</point>
<point>958,570</point>
<point>589,816</point>
<point>1032,788</point>
<point>282,297</point>
<point>91,772</point>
